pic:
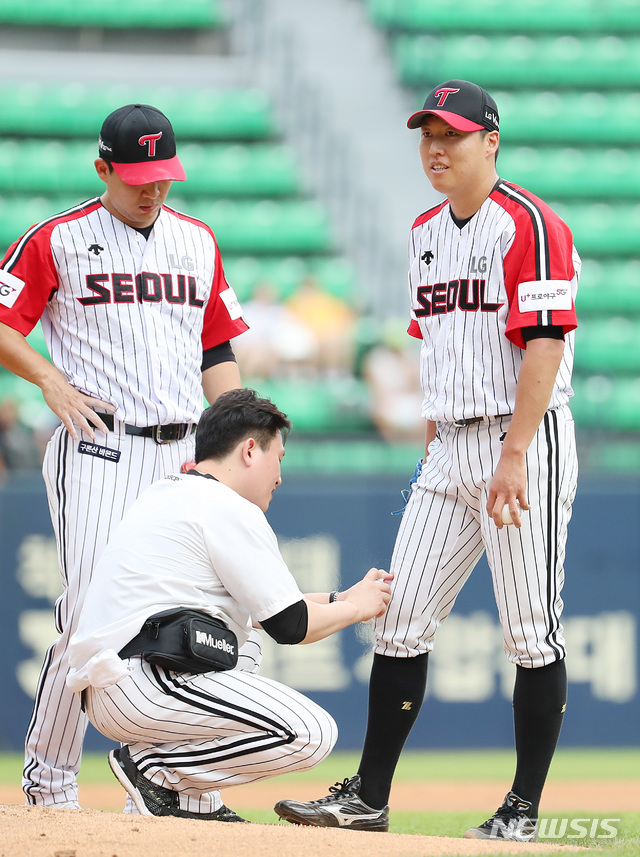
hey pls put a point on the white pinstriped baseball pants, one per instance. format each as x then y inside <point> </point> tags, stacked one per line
<point>445,528</point>
<point>198,733</point>
<point>87,497</point>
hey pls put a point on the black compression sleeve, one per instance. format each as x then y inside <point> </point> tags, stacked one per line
<point>290,625</point>
<point>222,353</point>
<point>550,331</point>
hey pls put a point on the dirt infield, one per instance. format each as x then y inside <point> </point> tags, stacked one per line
<point>604,796</point>
<point>39,832</point>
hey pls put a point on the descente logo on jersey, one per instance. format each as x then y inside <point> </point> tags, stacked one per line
<point>144,288</point>
<point>441,298</point>
<point>207,640</point>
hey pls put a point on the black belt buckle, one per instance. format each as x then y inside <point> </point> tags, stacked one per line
<point>464,423</point>
<point>168,433</point>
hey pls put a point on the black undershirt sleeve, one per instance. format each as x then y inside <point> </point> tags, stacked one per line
<point>222,353</point>
<point>550,331</point>
<point>290,625</point>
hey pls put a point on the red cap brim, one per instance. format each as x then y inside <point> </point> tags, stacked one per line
<point>145,172</point>
<point>456,121</point>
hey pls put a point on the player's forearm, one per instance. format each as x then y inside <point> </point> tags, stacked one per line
<point>325,619</point>
<point>219,379</point>
<point>537,376</point>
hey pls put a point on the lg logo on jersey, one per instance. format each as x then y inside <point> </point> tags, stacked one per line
<point>185,262</point>
<point>144,288</point>
<point>442,298</point>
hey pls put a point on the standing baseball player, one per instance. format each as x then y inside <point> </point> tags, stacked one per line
<point>493,280</point>
<point>199,545</point>
<point>138,319</point>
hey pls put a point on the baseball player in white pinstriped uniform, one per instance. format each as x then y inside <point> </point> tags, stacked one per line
<point>493,279</point>
<point>137,316</point>
<point>200,541</point>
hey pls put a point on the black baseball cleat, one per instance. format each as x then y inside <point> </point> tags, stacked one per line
<point>342,808</point>
<point>151,799</point>
<point>511,821</point>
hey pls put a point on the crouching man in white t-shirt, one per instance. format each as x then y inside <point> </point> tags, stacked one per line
<point>165,657</point>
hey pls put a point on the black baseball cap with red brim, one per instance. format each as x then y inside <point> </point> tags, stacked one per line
<point>464,105</point>
<point>139,143</point>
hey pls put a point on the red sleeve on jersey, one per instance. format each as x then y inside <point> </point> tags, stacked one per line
<point>431,212</point>
<point>218,325</point>
<point>414,329</point>
<point>31,261</point>
<point>541,250</point>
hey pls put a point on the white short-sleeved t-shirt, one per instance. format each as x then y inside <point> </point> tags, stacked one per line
<point>187,541</point>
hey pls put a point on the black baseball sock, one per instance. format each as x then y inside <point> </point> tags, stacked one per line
<point>396,691</point>
<point>539,701</point>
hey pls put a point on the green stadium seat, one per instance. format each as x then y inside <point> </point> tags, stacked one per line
<point>257,169</point>
<point>609,287</point>
<point>335,275</point>
<point>317,406</point>
<point>520,60</point>
<point>213,169</point>
<point>505,15</point>
<point>576,172</point>
<point>264,226</point>
<point>78,110</point>
<point>602,228</point>
<point>569,117</point>
<point>146,14</point>
<point>608,345</point>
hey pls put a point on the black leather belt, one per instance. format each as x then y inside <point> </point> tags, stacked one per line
<point>161,434</point>
<point>473,420</point>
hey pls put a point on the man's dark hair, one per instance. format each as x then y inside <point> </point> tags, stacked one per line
<point>235,416</point>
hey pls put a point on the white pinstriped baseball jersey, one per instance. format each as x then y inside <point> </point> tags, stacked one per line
<point>125,318</point>
<point>473,289</point>
<point>186,541</point>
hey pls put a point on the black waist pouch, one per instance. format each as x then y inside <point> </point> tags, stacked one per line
<point>185,641</point>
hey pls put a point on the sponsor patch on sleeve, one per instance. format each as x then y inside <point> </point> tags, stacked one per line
<point>232,303</point>
<point>85,447</point>
<point>10,288</point>
<point>544,295</point>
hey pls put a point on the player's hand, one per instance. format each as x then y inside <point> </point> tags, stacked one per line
<point>370,595</point>
<point>406,492</point>
<point>75,409</point>
<point>508,488</point>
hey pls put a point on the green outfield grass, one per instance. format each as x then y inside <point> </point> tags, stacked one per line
<point>469,765</point>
